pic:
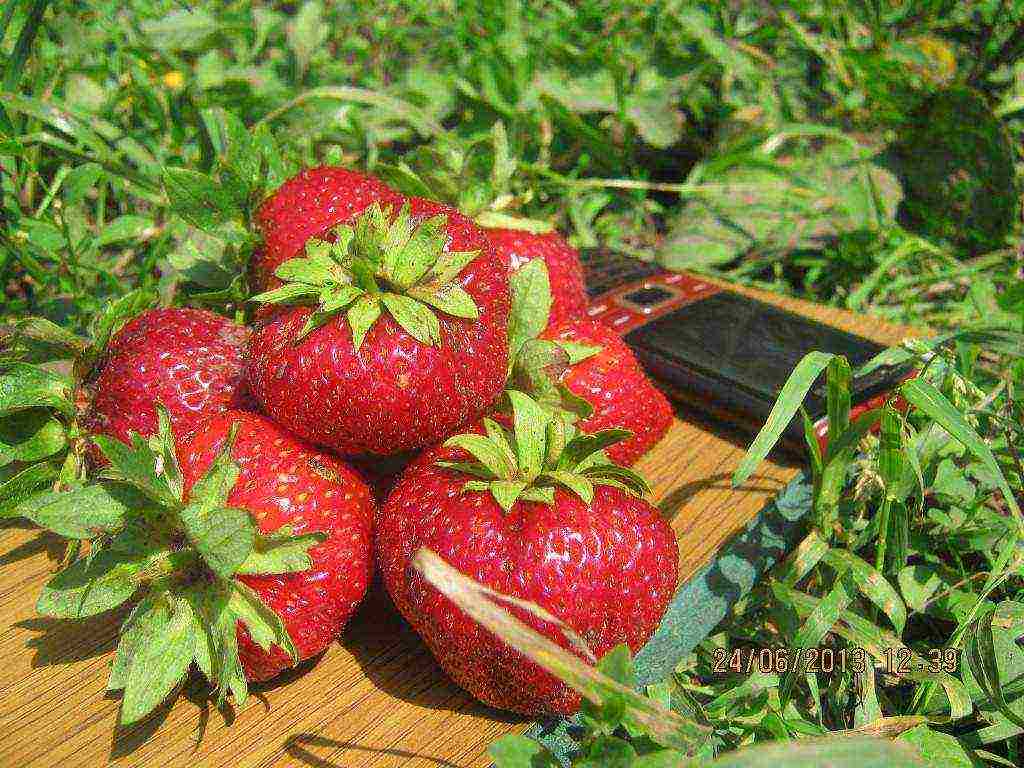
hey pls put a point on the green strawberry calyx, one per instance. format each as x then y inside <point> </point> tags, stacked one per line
<point>379,265</point>
<point>540,453</point>
<point>179,556</point>
<point>537,366</point>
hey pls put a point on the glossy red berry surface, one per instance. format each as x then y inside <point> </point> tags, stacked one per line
<point>190,360</point>
<point>395,393</point>
<point>613,382</point>
<point>565,270</point>
<point>607,569</point>
<point>285,481</point>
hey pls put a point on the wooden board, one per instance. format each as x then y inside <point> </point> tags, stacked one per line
<point>376,698</point>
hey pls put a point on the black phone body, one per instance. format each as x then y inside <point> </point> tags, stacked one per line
<point>720,351</point>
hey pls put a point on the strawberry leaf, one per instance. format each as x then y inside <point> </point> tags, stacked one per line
<point>113,316</point>
<point>448,266</point>
<point>578,352</point>
<point>265,627</point>
<point>24,386</point>
<point>290,293</point>
<point>619,477</point>
<point>160,659</point>
<point>414,318</point>
<point>223,536</point>
<point>361,316</point>
<point>82,513</point>
<point>530,433</point>
<point>530,305</point>
<point>583,446</point>
<point>94,584</point>
<point>139,466</point>
<point>25,488</point>
<point>506,492</point>
<point>577,484</point>
<point>132,634</point>
<point>214,487</point>
<point>484,450</point>
<point>168,452</point>
<point>281,552</point>
<point>451,299</point>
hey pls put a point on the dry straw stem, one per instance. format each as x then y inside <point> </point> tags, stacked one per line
<point>663,725</point>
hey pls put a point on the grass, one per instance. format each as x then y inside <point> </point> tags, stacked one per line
<point>860,154</point>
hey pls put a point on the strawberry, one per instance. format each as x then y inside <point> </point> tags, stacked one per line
<point>550,521</point>
<point>389,338</point>
<point>614,384</point>
<point>247,557</point>
<point>582,370</point>
<point>517,247</point>
<point>310,205</point>
<point>190,360</point>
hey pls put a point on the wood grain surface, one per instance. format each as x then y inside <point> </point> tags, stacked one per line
<point>376,698</point>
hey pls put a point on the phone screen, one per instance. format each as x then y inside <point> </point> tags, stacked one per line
<point>745,344</point>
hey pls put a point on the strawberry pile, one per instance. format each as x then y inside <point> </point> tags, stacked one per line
<point>215,476</point>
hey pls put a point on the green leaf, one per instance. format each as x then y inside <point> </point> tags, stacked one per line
<point>530,304</point>
<point>160,660</point>
<point>871,584</point>
<point>618,665</point>
<point>82,513</point>
<point>512,751</point>
<point>578,352</point>
<point>918,583</point>
<point>114,315</point>
<point>449,266</point>
<point>506,492</point>
<point>577,484</point>
<point>79,181</point>
<point>182,29</point>
<point>484,450</point>
<point>281,552</point>
<point>451,299</point>
<point>306,32</point>
<point>530,433</point>
<point>289,293</point>
<point>788,403</point>
<point>223,536</point>
<point>133,632</point>
<point>940,749</point>
<point>139,466</point>
<point>198,199</point>
<point>94,584</point>
<point>361,317</point>
<point>583,446</point>
<point>25,386</point>
<point>23,487</point>
<point>123,228</point>
<point>933,404</point>
<point>407,265</point>
<point>62,343</point>
<point>995,668</point>
<point>265,627</point>
<point>835,752</point>
<point>416,319</point>
<point>30,435</point>
<point>606,473</point>
<point>499,220</point>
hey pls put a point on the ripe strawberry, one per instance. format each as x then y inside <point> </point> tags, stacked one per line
<point>287,482</point>
<point>248,556</point>
<point>310,205</point>
<point>190,360</point>
<point>615,385</point>
<point>406,338</point>
<point>551,522</point>
<point>517,247</point>
<point>582,370</point>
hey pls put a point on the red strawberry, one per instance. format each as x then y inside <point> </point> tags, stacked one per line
<point>285,481</point>
<point>244,558</point>
<point>516,247</point>
<point>309,205</point>
<point>561,528</point>
<point>582,370</point>
<point>190,360</point>
<point>615,385</point>
<point>406,340</point>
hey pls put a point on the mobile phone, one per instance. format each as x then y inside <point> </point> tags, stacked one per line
<point>719,351</point>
